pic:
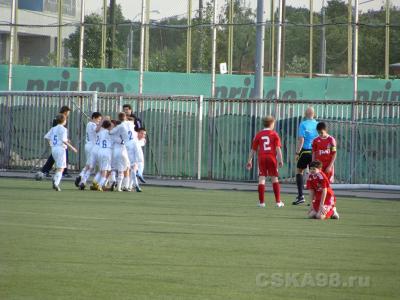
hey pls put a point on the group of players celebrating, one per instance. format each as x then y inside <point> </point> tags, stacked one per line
<point>113,148</point>
<point>316,150</point>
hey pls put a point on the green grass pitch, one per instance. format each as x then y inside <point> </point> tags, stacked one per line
<point>168,243</point>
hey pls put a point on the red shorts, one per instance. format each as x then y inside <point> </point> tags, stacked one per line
<point>267,166</point>
<point>329,204</point>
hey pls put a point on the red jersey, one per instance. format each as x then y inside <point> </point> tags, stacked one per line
<point>324,149</point>
<point>317,182</point>
<point>266,142</point>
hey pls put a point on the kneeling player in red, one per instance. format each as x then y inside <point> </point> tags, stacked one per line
<point>321,194</point>
<point>268,145</point>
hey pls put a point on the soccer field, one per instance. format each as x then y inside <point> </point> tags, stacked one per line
<point>168,243</point>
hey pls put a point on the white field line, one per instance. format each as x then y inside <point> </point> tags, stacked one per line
<point>52,215</point>
<point>276,229</point>
<point>46,226</point>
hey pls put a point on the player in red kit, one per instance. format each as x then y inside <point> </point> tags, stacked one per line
<point>321,194</point>
<point>268,145</point>
<point>324,150</point>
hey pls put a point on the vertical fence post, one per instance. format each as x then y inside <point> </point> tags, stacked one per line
<point>272,37</point>
<point>211,134</point>
<point>354,107</point>
<point>104,35</point>
<point>189,39</point>
<point>279,52</point>
<point>214,49</point>
<point>59,33</point>
<point>12,38</point>
<point>230,36</point>
<point>311,38</point>
<point>142,33</point>
<point>199,135</point>
<point>81,39</point>
<point>94,102</point>
<point>8,128</point>
<point>349,39</point>
<point>259,59</point>
<point>355,51</point>
<point>387,39</point>
<point>147,37</point>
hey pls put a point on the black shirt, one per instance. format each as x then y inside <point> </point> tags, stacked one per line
<point>138,122</point>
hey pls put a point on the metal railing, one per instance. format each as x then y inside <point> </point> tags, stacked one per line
<point>192,137</point>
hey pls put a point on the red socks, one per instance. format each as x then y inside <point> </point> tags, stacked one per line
<point>261,191</point>
<point>277,191</point>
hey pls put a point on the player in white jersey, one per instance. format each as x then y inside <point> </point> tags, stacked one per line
<point>58,140</point>
<point>120,161</point>
<point>141,144</point>
<point>92,128</point>
<point>132,153</point>
<point>95,158</point>
<point>104,154</point>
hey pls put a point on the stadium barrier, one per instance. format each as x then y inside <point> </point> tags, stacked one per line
<point>192,137</point>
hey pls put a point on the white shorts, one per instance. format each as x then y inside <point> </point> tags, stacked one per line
<point>104,159</point>
<point>60,157</point>
<point>93,157</point>
<point>88,152</point>
<point>133,154</point>
<point>120,159</point>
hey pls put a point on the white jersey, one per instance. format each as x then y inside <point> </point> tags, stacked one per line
<point>120,133</point>
<point>139,152</point>
<point>57,135</point>
<point>132,134</point>
<point>142,142</point>
<point>91,133</point>
<point>105,150</point>
<point>104,139</point>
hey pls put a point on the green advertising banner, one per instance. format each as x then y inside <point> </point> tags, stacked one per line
<point>31,78</point>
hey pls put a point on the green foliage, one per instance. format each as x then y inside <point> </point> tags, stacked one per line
<point>168,40</point>
<point>92,40</point>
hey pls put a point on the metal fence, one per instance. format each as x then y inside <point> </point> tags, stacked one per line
<point>317,36</point>
<point>192,137</point>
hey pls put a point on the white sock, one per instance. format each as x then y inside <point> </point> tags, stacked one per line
<point>120,179</point>
<point>140,169</point>
<point>57,178</point>
<point>113,176</point>
<point>102,181</point>
<point>97,177</point>
<point>82,173</point>
<point>134,180</point>
<point>85,176</point>
<point>125,182</point>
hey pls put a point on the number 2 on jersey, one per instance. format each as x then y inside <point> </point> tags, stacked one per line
<point>266,142</point>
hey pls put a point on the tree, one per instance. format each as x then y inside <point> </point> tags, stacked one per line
<point>92,41</point>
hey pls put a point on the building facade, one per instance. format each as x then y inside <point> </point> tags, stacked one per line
<point>37,30</point>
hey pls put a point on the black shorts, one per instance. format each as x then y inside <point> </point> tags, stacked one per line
<point>305,158</point>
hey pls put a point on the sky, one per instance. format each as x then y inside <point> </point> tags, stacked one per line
<point>166,8</point>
